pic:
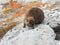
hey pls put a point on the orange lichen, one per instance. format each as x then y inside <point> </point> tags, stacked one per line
<point>27,6</point>
<point>6,11</point>
<point>18,14</point>
<point>15,5</point>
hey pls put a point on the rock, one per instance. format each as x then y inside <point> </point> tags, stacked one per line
<point>41,35</point>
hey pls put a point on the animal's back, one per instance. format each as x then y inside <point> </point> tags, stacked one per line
<point>37,14</point>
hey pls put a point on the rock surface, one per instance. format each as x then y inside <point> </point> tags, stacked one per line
<point>41,35</point>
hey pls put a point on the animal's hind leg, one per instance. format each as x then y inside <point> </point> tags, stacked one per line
<point>38,23</point>
<point>33,27</point>
<point>24,25</point>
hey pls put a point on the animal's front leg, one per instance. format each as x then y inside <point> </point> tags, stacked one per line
<point>33,27</point>
<point>24,25</point>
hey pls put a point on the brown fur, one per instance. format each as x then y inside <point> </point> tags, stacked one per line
<point>34,16</point>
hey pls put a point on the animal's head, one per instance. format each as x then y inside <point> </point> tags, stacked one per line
<point>29,21</point>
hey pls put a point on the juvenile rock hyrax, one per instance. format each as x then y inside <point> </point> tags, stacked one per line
<point>33,17</point>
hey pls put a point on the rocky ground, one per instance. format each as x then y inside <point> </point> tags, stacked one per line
<point>43,34</point>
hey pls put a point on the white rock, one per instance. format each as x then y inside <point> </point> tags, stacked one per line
<point>4,1</point>
<point>41,35</point>
<point>52,17</point>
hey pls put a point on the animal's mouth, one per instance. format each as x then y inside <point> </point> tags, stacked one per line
<point>29,25</point>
